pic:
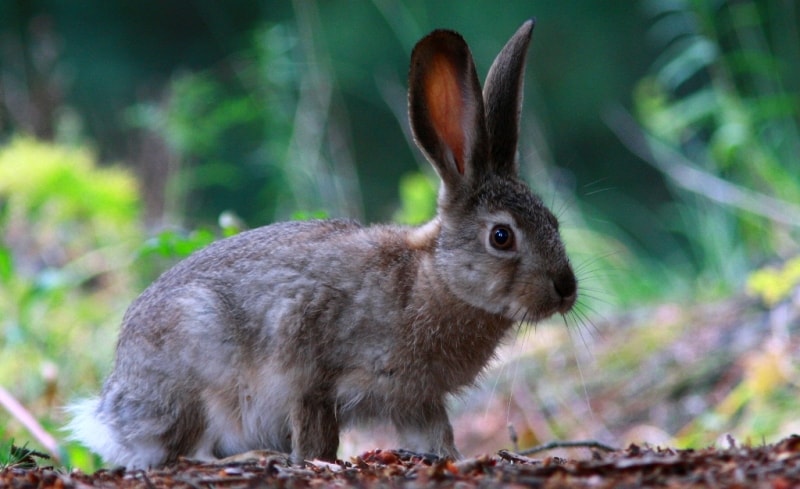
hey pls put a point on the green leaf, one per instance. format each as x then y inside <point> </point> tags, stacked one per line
<point>417,199</point>
<point>309,215</point>
<point>172,244</point>
<point>6,265</point>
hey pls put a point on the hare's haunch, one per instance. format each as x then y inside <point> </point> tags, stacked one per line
<point>258,342</point>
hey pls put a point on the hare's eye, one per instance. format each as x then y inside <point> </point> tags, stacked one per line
<point>502,237</point>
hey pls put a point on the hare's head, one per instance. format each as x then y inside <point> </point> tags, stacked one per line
<point>499,247</point>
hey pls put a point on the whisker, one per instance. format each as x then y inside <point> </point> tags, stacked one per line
<point>580,374</point>
<point>579,332</point>
<point>583,318</point>
<point>595,296</point>
<point>565,206</point>
<point>587,273</point>
<point>601,297</point>
<point>596,182</point>
<point>520,326</point>
<point>493,392</point>
<point>596,259</point>
<point>599,191</point>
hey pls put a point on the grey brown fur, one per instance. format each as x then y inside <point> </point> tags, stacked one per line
<point>280,336</point>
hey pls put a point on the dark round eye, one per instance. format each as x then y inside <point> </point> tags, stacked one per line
<point>501,237</point>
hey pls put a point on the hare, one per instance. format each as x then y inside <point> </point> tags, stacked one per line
<point>278,337</point>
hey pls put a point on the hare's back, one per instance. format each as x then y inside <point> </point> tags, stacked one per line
<point>235,281</point>
<point>258,248</point>
<point>234,268</point>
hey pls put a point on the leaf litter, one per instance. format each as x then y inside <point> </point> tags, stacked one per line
<point>774,466</point>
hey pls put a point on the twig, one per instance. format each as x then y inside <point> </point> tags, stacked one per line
<point>143,475</point>
<point>24,416</point>
<point>687,176</point>
<point>517,458</point>
<point>553,445</point>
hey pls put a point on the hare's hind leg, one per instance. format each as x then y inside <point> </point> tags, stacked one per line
<point>154,430</point>
<point>96,430</point>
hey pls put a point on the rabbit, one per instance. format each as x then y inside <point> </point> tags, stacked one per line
<point>280,336</point>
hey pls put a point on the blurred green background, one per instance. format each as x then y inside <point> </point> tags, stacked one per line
<point>663,133</point>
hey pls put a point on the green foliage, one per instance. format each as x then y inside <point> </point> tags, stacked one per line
<point>14,457</point>
<point>417,199</point>
<point>718,99</point>
<point>177,245</point>
<point>309,215</point>
<point>67,231</point>
<point>762,405</point>
<point>166,248</point>
<point>775,284</point>
<point>172,245</point>
<point>54,184</point>
<point>76,456</point>
<point>718,103</point>
<point>228,130</point>
<point>242,138</point>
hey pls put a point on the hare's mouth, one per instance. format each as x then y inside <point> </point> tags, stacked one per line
<point>542,302</point>
<point>541,310</point>
<point>534,314</point>
<point>566,303</point>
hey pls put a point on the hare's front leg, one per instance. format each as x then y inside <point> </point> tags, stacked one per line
<point>427,429</point>
<point>315,430</point>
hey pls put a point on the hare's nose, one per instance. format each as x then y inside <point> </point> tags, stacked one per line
<point>566,287</point>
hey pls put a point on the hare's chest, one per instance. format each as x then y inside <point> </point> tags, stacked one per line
<point>384,389</point>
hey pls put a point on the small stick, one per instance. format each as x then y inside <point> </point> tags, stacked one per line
<point>517,458</point>
<point>147,481</point>
<point>569,444</point>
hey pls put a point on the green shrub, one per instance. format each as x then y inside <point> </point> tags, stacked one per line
<point>68,232</point>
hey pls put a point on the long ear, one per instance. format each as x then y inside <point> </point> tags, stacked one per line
<point>446,108</point>
<point>503,96</point>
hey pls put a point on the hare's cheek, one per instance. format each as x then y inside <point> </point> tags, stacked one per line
<point>529,300</point>
<point>480,291</point>
<point>475,280</point>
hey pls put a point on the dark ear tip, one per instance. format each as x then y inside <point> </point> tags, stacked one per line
<point>441,40</point>
<point>528,25</point>
<point>441,36</point>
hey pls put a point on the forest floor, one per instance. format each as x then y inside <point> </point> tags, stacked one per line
<point>772,466</point>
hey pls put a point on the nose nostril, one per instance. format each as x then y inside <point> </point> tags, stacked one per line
<point>565,284</point>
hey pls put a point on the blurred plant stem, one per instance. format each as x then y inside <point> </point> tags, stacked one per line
<point>319,181</point>
<point>685,175</point>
